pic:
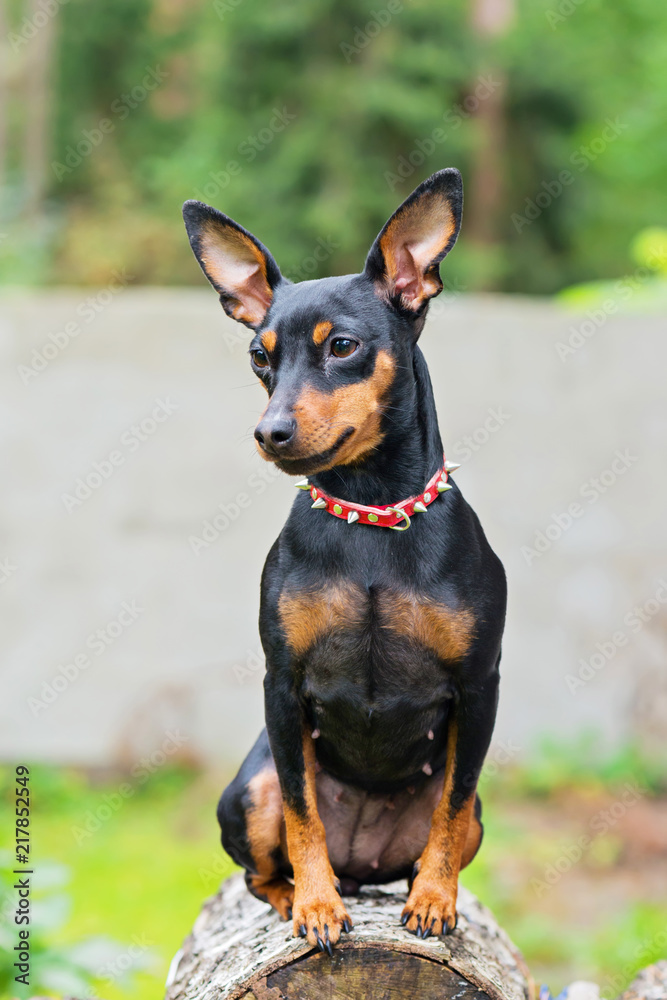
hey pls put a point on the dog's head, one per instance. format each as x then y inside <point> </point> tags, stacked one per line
<point>332,352</point>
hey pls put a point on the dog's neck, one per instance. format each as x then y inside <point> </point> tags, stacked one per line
<point>410,452</point>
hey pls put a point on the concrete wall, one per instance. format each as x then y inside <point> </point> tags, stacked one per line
<point>115,631</point>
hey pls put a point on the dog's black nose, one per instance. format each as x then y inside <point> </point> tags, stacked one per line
<point>275,433</point>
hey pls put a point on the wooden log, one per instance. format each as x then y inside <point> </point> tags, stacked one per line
<point>650,984</point>
<point>239,947</point>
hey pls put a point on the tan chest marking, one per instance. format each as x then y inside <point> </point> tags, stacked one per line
<point>448,632</point>
<point>309,615</point>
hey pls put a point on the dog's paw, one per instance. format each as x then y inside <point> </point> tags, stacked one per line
<point>321,917</point>
<point>279,893</point>
<point>430,909</point>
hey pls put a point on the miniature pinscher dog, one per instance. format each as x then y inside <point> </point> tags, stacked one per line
<point>382,646</point>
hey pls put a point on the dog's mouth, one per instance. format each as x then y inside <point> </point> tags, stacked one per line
<point>309,464</point>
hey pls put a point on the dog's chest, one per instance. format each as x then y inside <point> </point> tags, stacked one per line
<point>373,671</point>
<point>356,631</point>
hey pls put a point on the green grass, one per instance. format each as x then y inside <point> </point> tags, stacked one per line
<point>138,879</point>
<point>141,877</point>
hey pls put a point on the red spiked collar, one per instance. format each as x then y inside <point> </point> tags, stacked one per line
<point>396,516</point>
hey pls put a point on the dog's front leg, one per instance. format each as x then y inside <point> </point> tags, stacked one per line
<point>318,911</point>
<point>431,904</point>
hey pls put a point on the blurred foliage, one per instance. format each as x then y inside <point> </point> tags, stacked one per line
<point>128,891</point>
<point>54,969</point>
<point>556,767</point>
<point>294,118</point>
<point>644,288</point>
<point>113,907</point>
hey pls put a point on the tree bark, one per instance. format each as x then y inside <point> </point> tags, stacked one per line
<point>491,19</point>
<point>650,984</point>
<point>240,948</point>
<point>4,98</point>
<point>36,97</point>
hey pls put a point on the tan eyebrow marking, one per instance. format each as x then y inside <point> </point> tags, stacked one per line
<point>322,331</point>
<point>269,338</point>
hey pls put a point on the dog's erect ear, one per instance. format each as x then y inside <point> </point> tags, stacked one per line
<point>404,261</point>
<point>241,270</point>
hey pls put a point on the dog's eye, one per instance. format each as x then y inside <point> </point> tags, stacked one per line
<point>260,358</point>
<point>341,347</point>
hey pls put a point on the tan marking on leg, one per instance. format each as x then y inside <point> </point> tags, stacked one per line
<point>322,331</point>
<point>307,615</point>
<point>473,840</point>
<point>264,818</point>
<point>317,904</point>
<point>268,340</point>
<point>432,899</point>
<point>278,892</point>
<point>448,632</point>
<point>265,831</point>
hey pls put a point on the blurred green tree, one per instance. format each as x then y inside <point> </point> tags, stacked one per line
<point>310,122</point>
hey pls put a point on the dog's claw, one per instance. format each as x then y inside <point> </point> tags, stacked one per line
<point>303,930</point>
<point>289,912</point>
<point>347,926</point>
<point>320,942</point>
<point>405,918</point>
<point>327,942</point>
<point>446,928</point>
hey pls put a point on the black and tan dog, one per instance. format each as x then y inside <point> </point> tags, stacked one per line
<point>382,646</point>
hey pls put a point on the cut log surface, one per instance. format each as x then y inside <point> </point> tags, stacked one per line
<point>239,947</point>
